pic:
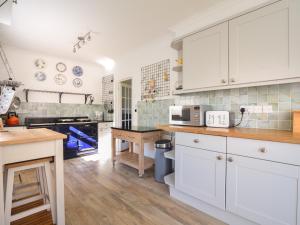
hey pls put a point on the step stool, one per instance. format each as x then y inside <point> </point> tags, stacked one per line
<point>44,180</point>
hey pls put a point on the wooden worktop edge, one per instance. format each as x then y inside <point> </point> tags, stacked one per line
<point>29,136</point>
<point>247,133</point>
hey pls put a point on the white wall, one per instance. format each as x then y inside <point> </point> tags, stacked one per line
<point>22,63</point>
<point>129,66</point>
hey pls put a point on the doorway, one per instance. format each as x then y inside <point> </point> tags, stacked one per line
<point>126,107</point>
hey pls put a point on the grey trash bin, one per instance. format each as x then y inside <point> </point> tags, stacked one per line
<point>163,166</point>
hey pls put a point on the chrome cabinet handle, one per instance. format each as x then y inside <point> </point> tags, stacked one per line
<point>230,159</point>
<point>196,141</point>
<point>232,80</point>
<point>262,150</point>
<point>219,157</point>
<point>223,81</point>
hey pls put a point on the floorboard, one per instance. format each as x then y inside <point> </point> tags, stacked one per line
<point>98,194</point>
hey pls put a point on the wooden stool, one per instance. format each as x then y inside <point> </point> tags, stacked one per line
<point>44,179</point>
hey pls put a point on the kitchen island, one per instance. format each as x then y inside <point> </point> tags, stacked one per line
<point>137,135</point>
<point>30,144</point>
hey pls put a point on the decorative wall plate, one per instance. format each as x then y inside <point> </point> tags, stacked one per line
<point>61,67</point>
<point>40,76</point>
<point>60,79</point>
<point>77,71</point>
<point>40,64</point>
<point>77,82</point>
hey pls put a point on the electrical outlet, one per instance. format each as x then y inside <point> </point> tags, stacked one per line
<point>248,108</point>
<point>257,109</point>
<point>267,109</point>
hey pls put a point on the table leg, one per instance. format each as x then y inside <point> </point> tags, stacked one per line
<point>141,159</point>
<point>113,150</point>
<point>130,146</point>
<point>59,176</point>
<point>1,191</point>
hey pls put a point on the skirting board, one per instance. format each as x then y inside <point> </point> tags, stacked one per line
<point>222,215</point>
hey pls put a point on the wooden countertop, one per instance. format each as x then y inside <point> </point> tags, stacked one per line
<point>248,133</point>
<point>29,136</point>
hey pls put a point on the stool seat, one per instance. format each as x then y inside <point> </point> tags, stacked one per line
<point>44,180</point>
<point>27,163</point>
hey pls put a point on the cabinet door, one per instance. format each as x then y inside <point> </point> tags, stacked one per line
<point>295,37</point>
<point>262,191</point>
<point>259,45</point>
<point>201,174</point>
<point>205,57</point>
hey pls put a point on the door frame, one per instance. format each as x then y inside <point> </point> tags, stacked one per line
<point>118,104</point>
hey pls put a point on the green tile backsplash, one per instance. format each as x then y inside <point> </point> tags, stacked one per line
<point>34,109</point>
<point>283,98</point>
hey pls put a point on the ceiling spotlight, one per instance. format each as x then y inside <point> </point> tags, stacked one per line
<point>82,41</point>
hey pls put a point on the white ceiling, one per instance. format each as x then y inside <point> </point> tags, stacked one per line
<point>52,26</point>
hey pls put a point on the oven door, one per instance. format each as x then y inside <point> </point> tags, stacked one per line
<point>84,137</point>
<point>181,115</point>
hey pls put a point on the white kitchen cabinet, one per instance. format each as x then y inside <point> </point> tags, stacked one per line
<point>294,38</point>
<point>201,174</point>
<point>260,46</point>
<point>104,135</point>
<point>205,57</point>
<point>262,191</point>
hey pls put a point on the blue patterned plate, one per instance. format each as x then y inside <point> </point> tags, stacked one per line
<point>77,71</point>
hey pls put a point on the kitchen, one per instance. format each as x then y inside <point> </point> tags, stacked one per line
<point>184,75</point>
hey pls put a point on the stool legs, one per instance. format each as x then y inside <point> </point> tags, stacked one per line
<point>46,193</point>
<point>50,190</point>
<point>9,194</point>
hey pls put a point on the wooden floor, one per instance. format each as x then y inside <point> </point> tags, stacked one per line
<point>98,194</point>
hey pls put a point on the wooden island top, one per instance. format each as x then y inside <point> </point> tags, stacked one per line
<point>29,136</point>
<point>248,133</point>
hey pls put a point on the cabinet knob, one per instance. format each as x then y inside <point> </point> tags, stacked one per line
<point>232,80</point>
<point>223,81</point>
<point>262,150</point>
<point>196,141</point>
<point>219,157</point>
<point>230,159</point>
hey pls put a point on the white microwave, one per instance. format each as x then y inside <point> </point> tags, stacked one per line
<point>188,115</point>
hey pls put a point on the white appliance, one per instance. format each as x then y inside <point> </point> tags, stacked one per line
<point>223,119</point>
<point>189,115</point>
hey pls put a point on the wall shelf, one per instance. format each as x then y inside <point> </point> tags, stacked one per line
<point>178,68</point>
<point>170,179</point>
<point>60,94</point>
<point>170,154</point>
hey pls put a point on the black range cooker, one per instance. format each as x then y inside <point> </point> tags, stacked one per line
<point>82,133</point>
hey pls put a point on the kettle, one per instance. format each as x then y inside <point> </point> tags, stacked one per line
<point>12,119</point>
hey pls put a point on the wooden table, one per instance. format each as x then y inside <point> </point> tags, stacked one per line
<point>137,135</point>
<point>24,145</point>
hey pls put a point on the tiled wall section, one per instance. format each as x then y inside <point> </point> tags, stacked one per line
<point>33,109</point>
<point>283,98</point>
<point>150,114</point>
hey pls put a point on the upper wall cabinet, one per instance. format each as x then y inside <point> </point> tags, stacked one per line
<point>294,37</point>
<point>205,57</point>
<point>257,48</point>
<point>259,45</point>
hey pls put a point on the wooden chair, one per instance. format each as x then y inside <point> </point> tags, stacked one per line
<point>44,180</point>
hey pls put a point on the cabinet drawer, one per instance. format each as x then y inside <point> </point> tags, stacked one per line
<point>207,142</point>
<point>126,135</point>
<point>273,151</point>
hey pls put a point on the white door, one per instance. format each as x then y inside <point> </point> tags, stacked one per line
<point>259,45</point>
<point>205,58</point>
<point>201,174</point>
<point>264,192</point>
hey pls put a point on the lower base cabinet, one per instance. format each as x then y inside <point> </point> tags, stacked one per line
<point>201,174</point>
<point>262,191</point>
